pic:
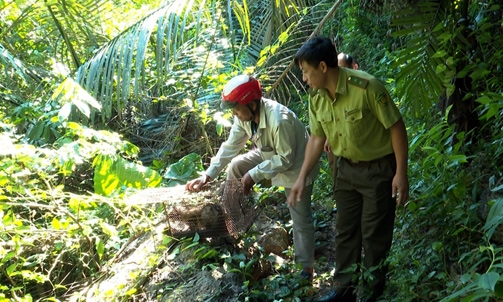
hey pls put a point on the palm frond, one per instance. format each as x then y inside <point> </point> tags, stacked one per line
<point>78,23</point>
<point>417,79</point>
<point>117,72</point>
<point>19,78</point>
<point>10,63</point>
<point>182,36</point>
<point>279,77</point>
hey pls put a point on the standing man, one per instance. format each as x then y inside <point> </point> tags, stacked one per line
<point>279,143</point>
<point>364,128</point>
<point>346,61</point>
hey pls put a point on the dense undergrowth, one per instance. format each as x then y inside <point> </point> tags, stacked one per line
<point>56,234</point>
<point>447,245</point>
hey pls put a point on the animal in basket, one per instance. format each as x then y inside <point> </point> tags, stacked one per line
<point>209,216</point>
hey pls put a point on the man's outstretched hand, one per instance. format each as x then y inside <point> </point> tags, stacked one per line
<point>198,183</point>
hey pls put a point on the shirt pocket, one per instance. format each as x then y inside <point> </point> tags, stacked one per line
<point>267,152</point>
<point>327,123</point>
<point>354,123</point>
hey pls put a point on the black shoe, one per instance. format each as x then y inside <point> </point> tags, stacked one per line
<point>333,296</point>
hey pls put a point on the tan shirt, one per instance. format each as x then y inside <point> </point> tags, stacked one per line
<point>356,123</point>
<point>281,140</point>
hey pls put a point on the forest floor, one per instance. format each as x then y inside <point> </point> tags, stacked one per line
<point>181,279</point>
<point>155,267</point>
<point>203,284</point>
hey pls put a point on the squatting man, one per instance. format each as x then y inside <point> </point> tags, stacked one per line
<point>278,140</point>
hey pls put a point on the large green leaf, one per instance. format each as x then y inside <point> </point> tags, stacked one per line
<point>185,169</point>
<point>112,174</point>
<point>488,280</point>
<point>494,217</point>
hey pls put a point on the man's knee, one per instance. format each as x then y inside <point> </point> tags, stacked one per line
<point>233,170</point>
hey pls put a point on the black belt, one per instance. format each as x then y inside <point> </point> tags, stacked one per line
<point>367,162</point>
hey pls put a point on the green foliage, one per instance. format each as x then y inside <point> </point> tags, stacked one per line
<point>244,265</point>
<point>44,227</point>
<point>360,33</point>
<point>156,55</point>
<point>13,67</point>
<point>54,233</point>
<point>444,43</point>
<point>476,286</point>
<point>46,122</point>
<point>184,170</point>
<point>494,217</point>
<point>112,173</point>
<point>71,241</point>
<point>435,236</point>
<point>417,78</point>
<point>324,182</point>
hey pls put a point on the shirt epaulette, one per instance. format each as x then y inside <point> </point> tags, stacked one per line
<point>359,82</point>
<point>312,92</point>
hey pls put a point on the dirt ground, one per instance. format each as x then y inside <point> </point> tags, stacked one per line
<point>153,267</point>
<point>172,282</point>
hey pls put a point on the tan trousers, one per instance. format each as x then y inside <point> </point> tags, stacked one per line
<point>303,227</point>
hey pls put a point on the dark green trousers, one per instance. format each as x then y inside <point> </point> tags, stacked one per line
<point>365,219</point>
<point>332,162</point>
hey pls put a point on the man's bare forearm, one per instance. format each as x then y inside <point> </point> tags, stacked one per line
<point>314,149</point>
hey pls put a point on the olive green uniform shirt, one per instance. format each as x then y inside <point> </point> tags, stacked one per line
<point>356,123</point>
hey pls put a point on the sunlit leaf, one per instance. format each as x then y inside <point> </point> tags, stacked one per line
<point>113,174</point>
<point>100,248</point>
<point>56,223</point>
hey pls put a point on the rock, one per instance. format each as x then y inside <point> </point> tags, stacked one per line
<point>275,241</point>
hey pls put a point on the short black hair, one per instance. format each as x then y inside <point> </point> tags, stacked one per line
<point>348,59</point>
<point>316,50</point>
